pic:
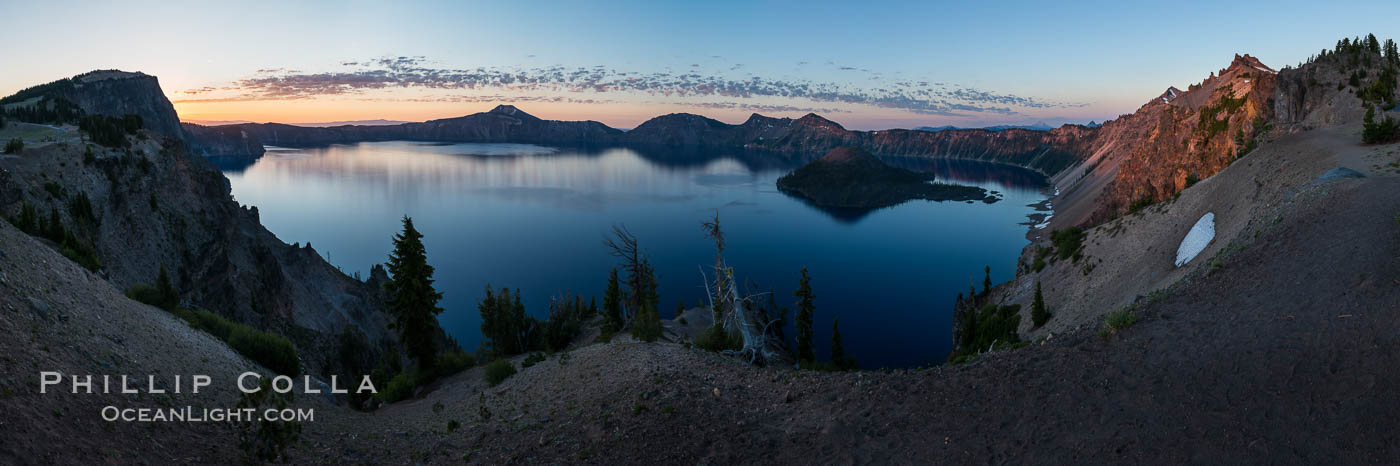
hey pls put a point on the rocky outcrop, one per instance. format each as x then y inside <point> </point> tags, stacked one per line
<point>1319,93</point>
<point>119,93</point>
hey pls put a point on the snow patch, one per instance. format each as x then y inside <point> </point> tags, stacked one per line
<point>1197,239</point>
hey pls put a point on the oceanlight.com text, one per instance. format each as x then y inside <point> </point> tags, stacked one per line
<point>192,414</point>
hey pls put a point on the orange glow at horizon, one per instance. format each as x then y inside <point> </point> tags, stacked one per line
<point>316,110</point>
<point>326,110</point>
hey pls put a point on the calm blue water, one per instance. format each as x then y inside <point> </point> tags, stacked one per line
<point>534,218</point>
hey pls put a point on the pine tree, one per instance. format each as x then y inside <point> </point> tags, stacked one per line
<point>612,304</point>
<point>169,297</point>
<point>838,353</point>
<point>413,302</point>
<point>647,325</point>
<point>54,230</point>
<point>805,309</point>
<point>28,218</point>
<point>1039,314</point>
<point>680,309</point>
<point>987,281</point>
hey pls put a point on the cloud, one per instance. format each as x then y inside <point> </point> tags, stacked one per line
<point>415,72</point>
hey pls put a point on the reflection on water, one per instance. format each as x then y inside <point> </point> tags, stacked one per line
<point>534,218</point>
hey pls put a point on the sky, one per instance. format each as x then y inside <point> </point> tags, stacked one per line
<point>867,65</point>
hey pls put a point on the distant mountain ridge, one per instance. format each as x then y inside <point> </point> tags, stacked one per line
<point>375,122</point>
<point>1037,126</point>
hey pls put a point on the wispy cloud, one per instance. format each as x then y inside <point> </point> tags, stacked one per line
<point>364,77</point>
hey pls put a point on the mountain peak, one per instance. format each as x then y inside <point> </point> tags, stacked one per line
<point>814,120</point>
<point>1171,93</point>
<point>1247,63</point>
<point>510,110</point>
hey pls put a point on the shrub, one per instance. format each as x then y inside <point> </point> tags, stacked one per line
<point>498,371</point>
<point>452,362</point>
<point>55,190</point>
<point>716,339</point>
<point>272,351</point>
<point>1141,203</point>
<point>1068,242</point>
<point>532,359</point>
<point>263,440</point>
<point>145,293</point>
<point>400,387</point>
<point>79,251</point>
<point>14,146</point>
<point>1118,320</point>
<point>1379,132</point>
<point>989,327</point>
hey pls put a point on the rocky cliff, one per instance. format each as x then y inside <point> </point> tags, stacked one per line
<point>1326,90</point>
<point>118,93</point>
<point>155,204</point>
<point>1167,144</point>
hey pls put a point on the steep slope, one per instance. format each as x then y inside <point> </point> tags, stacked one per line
<point>137,209</point>
<point>59,317</point>
<point>1150,155</point>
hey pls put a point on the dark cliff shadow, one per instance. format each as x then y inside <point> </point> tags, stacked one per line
<point>971,171</point>
<point>234,164</point>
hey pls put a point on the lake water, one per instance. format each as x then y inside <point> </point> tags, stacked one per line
<point>534,218</point>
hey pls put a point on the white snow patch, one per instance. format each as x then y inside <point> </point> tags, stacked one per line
<point>1197,239</point>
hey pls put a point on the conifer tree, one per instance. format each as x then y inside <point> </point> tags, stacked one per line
<point>28,218</point>
<point>805,309</point>
<point>54,230</point>
<point>612,304</point>
<point>413,302</point>
<point>1039,314</point>
<point>647,325</point>
<point>987,281</point>
<point>680,309</point>
<point>169,297</point>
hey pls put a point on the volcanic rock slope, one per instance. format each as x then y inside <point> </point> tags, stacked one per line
<point>59,317</point>
<point>155,205</point>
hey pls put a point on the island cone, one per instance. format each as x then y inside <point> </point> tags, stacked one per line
<point>850,177</point>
